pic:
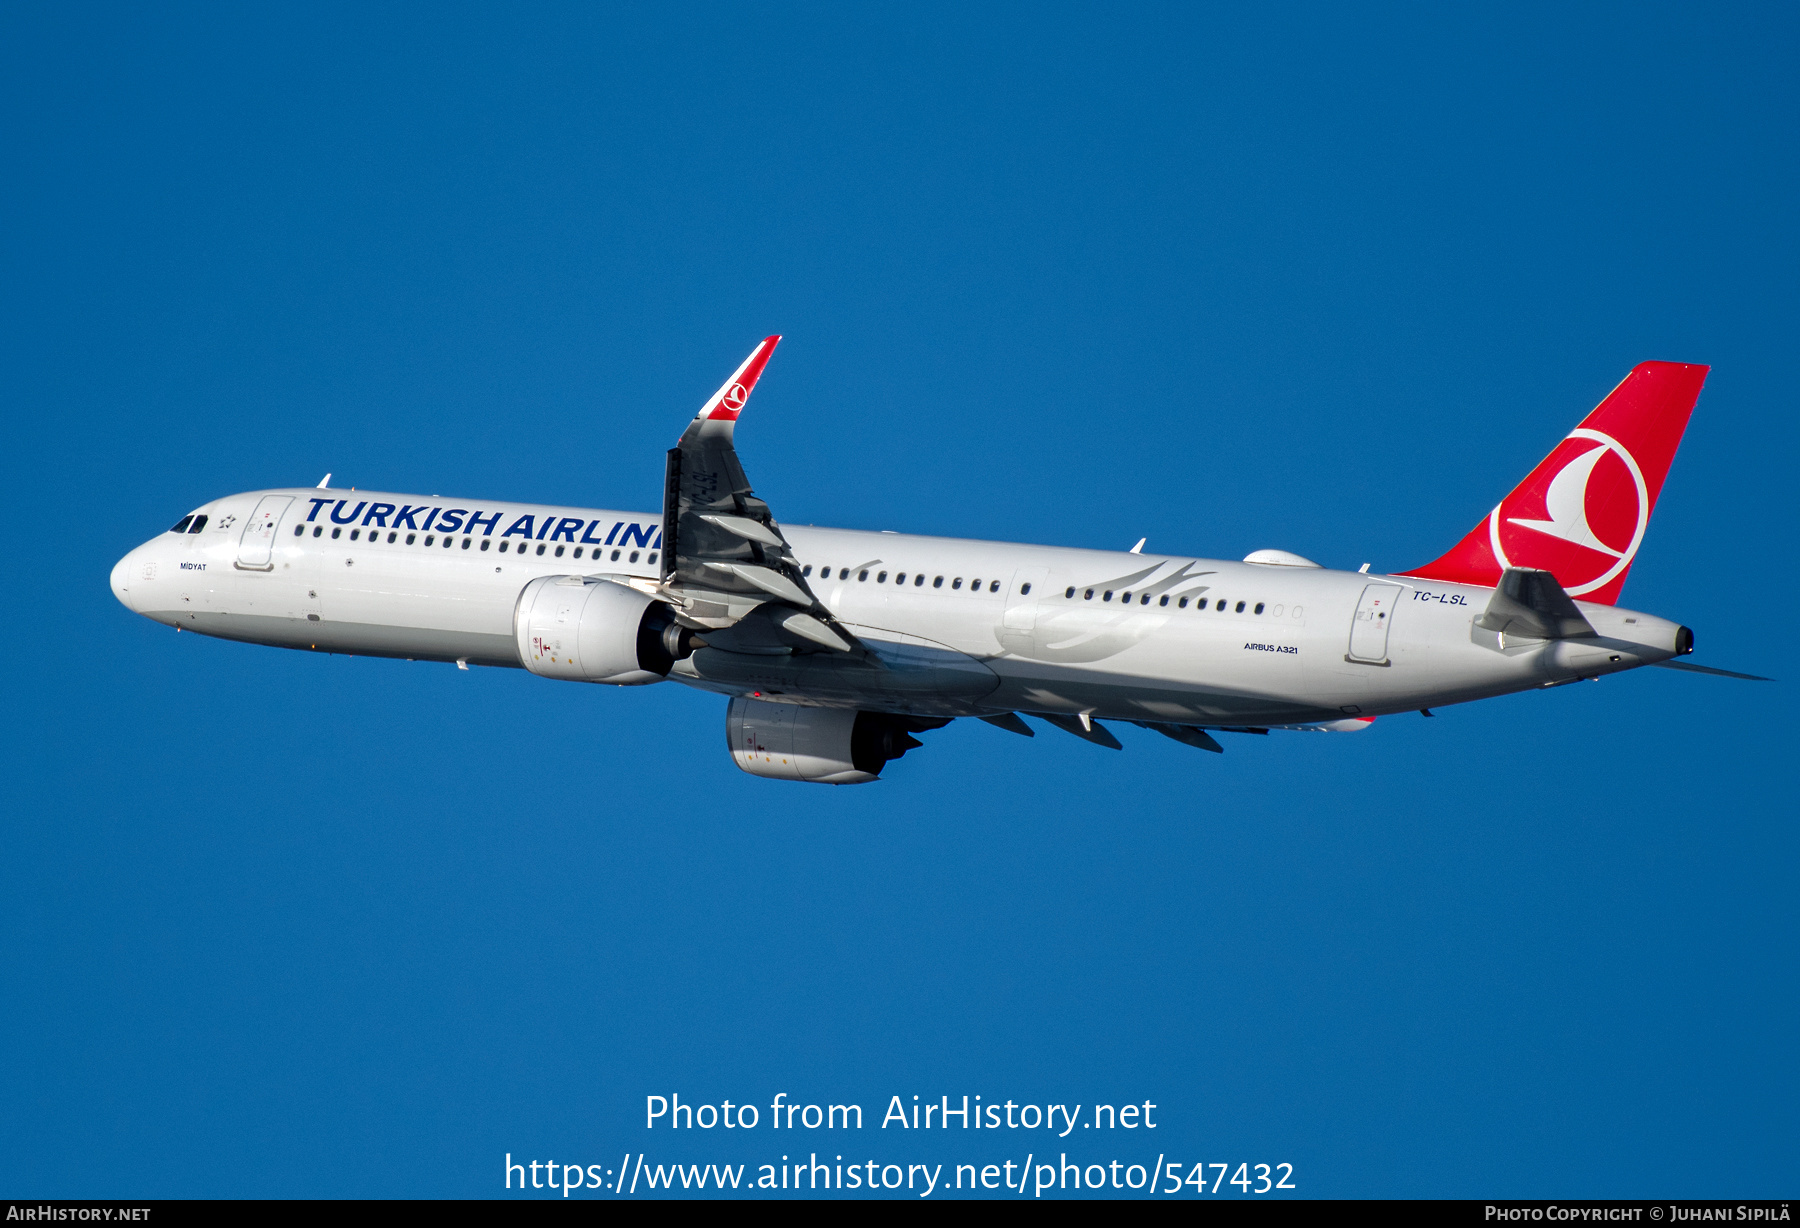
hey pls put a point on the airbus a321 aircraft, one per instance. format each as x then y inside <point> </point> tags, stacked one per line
<point>837,646</point>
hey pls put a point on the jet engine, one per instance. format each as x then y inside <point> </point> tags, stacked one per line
<point>831,746</point>
<point>585,630</point>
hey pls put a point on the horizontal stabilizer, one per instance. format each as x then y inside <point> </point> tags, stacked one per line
<point>1093,731</point>
<point>1010,722</point>
<point>1531,603</point>
<point>1685,667</point>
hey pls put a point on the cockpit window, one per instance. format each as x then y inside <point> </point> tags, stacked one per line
<point>199,523</point>
<point>181,526</point>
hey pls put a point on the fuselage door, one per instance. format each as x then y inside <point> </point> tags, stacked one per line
<point>1374,618</point>
<point>257,546</point>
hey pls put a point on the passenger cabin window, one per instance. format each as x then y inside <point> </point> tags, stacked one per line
<point>1070,592</point>
<point>918,579</point>
<point>1259,607</point>
<point>318,529</point>
<point>615,556</point>
<point>993,586</point>
<point>956,583</point>
<point>632,559</point>
<point>1024,589</point>
<point>485,543</point>
<point>355,533</point>
<point>806,570</point>
<point>652,557</point>
<point>559,552</point>
<point>1221,604</point>
<point>938,583</point>
<point>299,529</point>
<point>1240,607</point>
<point>880,579</point>
<point>863,575</point>
<point>337,533</point>
<point>467,540</point>
<point>181,526</point>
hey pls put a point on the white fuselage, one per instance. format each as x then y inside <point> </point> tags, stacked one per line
<point>1106,634</point>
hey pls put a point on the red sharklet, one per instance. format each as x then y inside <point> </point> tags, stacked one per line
<point>729,401</point>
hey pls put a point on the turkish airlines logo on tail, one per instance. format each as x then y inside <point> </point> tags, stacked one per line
<point>734,397</point>
<point>1566,501</point>
<point>1581,515</point>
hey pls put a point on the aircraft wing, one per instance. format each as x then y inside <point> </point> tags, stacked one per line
<point>726,568</point>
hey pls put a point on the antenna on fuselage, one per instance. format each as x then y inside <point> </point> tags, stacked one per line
<point>1139,548</point>
<point>324,482</point>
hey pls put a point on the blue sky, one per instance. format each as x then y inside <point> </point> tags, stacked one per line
<point>1318,280</point>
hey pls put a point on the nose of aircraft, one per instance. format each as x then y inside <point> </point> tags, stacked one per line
<point>121,580</point>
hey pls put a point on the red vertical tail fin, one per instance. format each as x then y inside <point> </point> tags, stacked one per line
<point>1581,514</point>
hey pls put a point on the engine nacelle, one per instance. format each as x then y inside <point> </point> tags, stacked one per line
<point>831,746</point>
<point>584,630</point>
